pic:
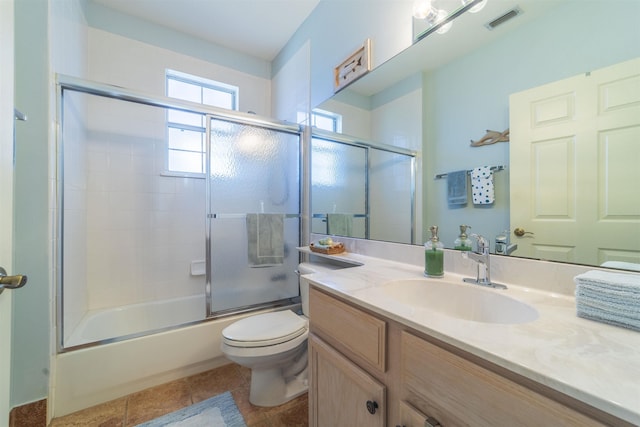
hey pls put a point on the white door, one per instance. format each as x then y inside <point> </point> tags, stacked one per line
<point>574,156</point>
<point>6,197</point>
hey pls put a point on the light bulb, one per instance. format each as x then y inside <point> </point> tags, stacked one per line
<point>422,9</point>
<point>476,8</point>
<point>441,16</point>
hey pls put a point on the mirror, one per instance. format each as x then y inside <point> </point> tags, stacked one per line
<point>449,89</point>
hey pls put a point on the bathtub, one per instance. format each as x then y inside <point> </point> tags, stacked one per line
<point>104,324</point>
<point>93,375</point>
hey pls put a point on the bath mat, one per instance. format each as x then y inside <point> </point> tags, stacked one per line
<point>218,411</point>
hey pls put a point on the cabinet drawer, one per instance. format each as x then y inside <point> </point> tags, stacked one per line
<point>458,392</point>
<point>355,333</point>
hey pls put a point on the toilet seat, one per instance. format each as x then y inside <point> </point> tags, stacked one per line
<point>266,329</point>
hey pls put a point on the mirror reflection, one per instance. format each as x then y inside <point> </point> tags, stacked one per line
<point>450,90</point>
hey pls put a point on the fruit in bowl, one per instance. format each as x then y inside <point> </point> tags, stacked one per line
<point>327,246</point>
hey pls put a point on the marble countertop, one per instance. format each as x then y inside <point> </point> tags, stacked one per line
<point>593,362</point>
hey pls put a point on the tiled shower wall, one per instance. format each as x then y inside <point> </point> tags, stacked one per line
<point>131,232</point>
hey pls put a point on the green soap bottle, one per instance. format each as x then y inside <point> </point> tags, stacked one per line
<point>463,243</point>
<point>434,255</point>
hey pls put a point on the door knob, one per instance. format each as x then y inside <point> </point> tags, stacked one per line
<point>11,282</point>
<point>520,232</point>
<point>372,406</point>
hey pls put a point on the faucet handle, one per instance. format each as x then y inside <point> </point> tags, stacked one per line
<point>483,243</point>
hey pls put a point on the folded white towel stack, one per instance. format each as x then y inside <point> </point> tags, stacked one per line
<point>609,297</point>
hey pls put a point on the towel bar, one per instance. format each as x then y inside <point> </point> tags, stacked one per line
<point>241,215</point>
<point>493,168</point>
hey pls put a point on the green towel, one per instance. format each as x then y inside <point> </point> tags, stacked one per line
<point>265,239</point>
<point>339,224</point>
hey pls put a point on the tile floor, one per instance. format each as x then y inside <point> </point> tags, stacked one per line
<point>156,401</point>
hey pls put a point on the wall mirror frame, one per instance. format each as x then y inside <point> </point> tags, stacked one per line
<point>447,90</point>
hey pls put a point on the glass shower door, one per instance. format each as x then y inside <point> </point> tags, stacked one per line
<point>339,188</point>
<point>253,215</point>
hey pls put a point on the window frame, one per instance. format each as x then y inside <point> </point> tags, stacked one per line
<point>202,83</point>
<point>335,118</point>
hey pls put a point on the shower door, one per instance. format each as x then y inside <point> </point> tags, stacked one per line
<point>339,188</point>
<point>253,225</point>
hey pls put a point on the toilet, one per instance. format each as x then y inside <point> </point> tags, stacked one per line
<point>274,346</point>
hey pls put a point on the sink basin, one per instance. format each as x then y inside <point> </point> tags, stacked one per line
<point>459,300</point>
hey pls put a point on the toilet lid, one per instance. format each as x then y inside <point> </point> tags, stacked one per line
<point>265,329</point>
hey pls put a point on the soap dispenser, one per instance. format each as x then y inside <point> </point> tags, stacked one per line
<point>463,242</point>
<point>434,255</point>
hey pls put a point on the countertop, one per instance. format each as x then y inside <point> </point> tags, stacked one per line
<point>593,362</point>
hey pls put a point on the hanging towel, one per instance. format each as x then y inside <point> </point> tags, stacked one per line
<point>339,224</point>
<point>265,239</point>
<point>457,187</point>
<point>482,186</point>
<point>609,297</point>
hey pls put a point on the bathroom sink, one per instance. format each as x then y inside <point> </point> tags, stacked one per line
<point>459,300</point>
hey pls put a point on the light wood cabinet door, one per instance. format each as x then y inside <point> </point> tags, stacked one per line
<point>340,393</point>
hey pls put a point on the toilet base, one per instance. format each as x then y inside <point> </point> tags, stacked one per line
<point>269,388</point>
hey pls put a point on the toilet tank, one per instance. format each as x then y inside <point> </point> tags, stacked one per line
<point>309,268</point>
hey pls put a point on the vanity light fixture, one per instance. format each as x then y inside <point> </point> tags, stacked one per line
<point>423,9</point>
<point>442,15</point>
<point>440,20</point>
<point>477,8</point>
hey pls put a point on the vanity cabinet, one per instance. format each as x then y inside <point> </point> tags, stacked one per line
<point>366,370</point>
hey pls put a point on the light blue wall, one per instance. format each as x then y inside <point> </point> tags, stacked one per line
<point>470,95</point>
<point>31,314</point>
<point>50,37</point>
<point>337,28</point>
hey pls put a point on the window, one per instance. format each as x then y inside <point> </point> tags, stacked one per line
<point>186,131</point>
<point>326,120</point>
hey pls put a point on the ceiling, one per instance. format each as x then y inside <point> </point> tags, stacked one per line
<point>259,28</point>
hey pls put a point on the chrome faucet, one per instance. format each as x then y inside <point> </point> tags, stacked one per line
<point>481,256</point>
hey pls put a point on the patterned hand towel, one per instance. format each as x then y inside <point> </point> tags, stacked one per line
<point>482,186</point>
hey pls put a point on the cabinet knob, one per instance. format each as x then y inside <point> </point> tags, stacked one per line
<point>372,406</point>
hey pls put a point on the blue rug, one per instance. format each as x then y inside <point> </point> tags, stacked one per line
<point>218,411</point>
